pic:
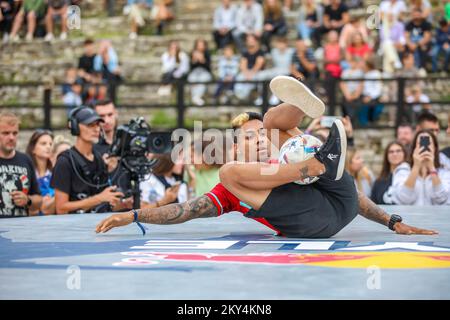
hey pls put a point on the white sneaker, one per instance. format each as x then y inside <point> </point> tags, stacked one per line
<point>258,101</point>
<point>63,36</point>
<point>15,38</point>
<point>5,38</point>
<point>49,37</point>
<point>133,35</point>
<point>198,101</point>
<point>29,37</point>
<point>274,100</point>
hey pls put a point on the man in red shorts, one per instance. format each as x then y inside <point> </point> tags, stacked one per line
<point>318,210</point>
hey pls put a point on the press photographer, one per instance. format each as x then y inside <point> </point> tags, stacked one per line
<point>80,176</point>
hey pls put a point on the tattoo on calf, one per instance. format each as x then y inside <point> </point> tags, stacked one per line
<point>201,207</point>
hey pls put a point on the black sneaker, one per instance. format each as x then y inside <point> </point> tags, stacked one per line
<point>332,152</point>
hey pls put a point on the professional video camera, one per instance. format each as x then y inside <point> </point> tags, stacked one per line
<point>132,144</point>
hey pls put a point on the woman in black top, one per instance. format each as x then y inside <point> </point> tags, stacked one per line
<point>274,22</point>
<point>200,70</point>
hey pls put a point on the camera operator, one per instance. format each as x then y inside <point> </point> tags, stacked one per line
<point>119,176</point>
<point>80,176</point>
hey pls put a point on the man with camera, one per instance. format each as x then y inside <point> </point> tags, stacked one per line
<point>80,176</point>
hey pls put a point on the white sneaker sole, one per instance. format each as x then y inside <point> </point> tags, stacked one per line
<point>343,139</point>
<point>292,91</point>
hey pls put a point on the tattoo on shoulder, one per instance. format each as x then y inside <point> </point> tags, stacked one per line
<point>200,207</point>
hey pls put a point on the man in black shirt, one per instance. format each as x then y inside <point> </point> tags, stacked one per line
<point>418,37</point>
<point>118,175</point>
<point>335,16</point>
<point>86,61</point>
<point>19,189</point>
<point>80,176</point>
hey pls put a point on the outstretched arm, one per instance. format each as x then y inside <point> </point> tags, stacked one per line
<point>371,211</point>
<point>201,207</point>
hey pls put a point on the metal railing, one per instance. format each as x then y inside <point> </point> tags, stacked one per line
<point>182,103</point>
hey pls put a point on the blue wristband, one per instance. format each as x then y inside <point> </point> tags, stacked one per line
<point>135,220</point>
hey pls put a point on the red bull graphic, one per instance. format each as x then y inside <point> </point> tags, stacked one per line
<point>389,260</point>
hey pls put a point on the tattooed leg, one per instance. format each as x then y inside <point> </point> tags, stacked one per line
<point>263,176</point>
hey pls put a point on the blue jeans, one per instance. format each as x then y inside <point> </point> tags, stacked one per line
<point>436,52</point>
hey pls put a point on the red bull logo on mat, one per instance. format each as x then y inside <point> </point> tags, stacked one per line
<point>342,256</point>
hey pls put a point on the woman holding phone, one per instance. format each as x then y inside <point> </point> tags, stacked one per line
<point>422,180</point>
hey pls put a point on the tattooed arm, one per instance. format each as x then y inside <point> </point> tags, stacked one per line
<point>201,207</point>
<point>371,211</point>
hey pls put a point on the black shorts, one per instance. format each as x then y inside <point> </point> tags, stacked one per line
<point>318,210</point>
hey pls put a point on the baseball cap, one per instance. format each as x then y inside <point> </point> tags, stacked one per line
<point>87,116</point>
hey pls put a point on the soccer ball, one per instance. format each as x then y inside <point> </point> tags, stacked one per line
<point>297,149</point>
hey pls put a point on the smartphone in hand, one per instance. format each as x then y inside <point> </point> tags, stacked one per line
<point>425,142</point>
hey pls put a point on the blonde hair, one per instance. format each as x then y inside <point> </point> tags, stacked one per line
<point>10,118</point>
<point>359,175</point>
<point>58,141</point>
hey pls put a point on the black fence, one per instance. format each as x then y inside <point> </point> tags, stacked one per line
<point>331,94</point>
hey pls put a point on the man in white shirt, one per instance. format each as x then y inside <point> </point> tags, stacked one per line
<point>224,23</point>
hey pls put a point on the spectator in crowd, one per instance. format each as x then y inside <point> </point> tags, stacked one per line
<point>418,37</point>
<point>162,186</point>
<point>422,180</point>
<point>32,11</point>
<point>310,20</point>
<point>348,31</point>
<point>364,178</point>
<point>175,66</point>
<point>281,64</point>
<point>60,144</point>
<point>86,61</point>
<point>335,17</point>
<point>358,48</point>
<point>392,41</point>
<point>117,174</point>
<point>224,23</point>
<point>162,14</point>
<point>200,71</point>
<point>19,188</point>
<point>252,62</point>
<point>249,21</point>
<point>447,10</point>
<point>332,63</point>
<point>138,11</point>
<point>418,100</point>
<point>39,149</point>
<point>444,155</point>
<point>72,98</point>
<point>70,78</point>
<point>424,6</point>
<point>56,8</point>
<point>80,176</point>
<point>228,69</point>
<point>303,63</point>
<point>372,90</point>
<point>107,62</point>
<point>352,90</point>
<point>405,135</point>
<point>395,7</point>
<point>206,158</point>
<point>441,46</point>
<point>394,155</point>
<point>274,22</point>
<point>7,13</point>
<point>409,70</point>
<point>428,121</point>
